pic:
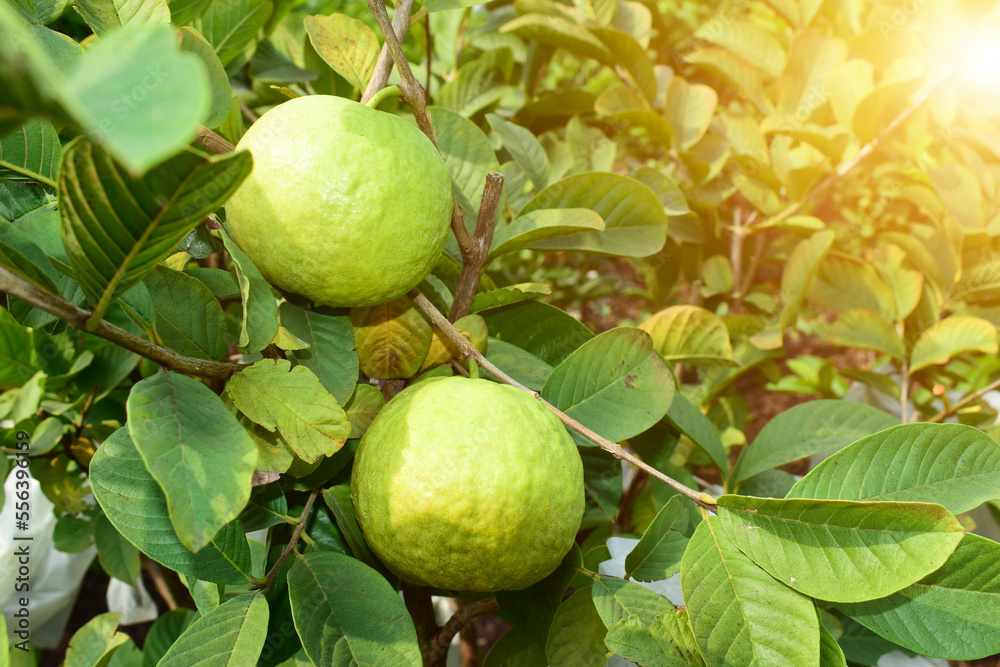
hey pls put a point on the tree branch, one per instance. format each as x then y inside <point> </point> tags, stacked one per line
<point>383,67</point>
<point>214,142</point>
<point>76,317</point>
<point>299,527</point>
<point>461,618</point>
<point>469,351</point>
<point>474,257</point>
<point>958,405</point>
<point>418,602</point>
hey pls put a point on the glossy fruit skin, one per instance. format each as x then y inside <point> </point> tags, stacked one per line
<point>468,485</point>
<point>346,205</point>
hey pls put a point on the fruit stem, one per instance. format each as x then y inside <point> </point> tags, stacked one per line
<point>469,351</point>
<point>473,369</point>
<point>384,94</point>
<point>273,572</point>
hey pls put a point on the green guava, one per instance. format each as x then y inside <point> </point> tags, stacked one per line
<point>346,205</point>
<point>468,485</point>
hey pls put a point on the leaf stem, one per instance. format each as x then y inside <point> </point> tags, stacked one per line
<point>382,95</point>
<point>469,351</point>
<point>19,288</point>
<point>474,255</point>
<point>33,175</point>
<point>299,527</point>
<point>461,618</point>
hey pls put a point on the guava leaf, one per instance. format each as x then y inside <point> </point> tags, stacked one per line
<point>468,154</point>
<point>738,613</point>
<point>293,402</point>
<point>135,505</point>
<point>526,150</point>
<point>868,331</point>
<point>118,557</point>
<point>560,33</point>
<point>505,296</point>
<point>841,551</point>
<point>104,16</point>
<point>630,55</point>
<point>667,642</point>
<point>687,418</point>
<point>346,44</point>
<point>519,364</point>
<point>222,92</point>
<point>94,644</point>
<point>807,429</point>
<point>230,26</point>
<point>541,225</point>
<point>189,319</point>
<point>616,600</point>
<point>231,634</point>
<point>953,612</point>
<point>259,324</point>
<point>690,335</point>
<point>442,350</point>
<point>799,271</point>
<point>954,465</point>
<point>658,554</point>
<point>165,631</point>
<point>31,152</point>
<point>117,228</point>
<point>689,111</point>
<point>830,653</point>
<point>749,41</point>
<point>614,384</point>
<point>545,331</point>
<point>195,449</point>
<point>347,613</point>
<point>20,255</point>
<point>366,402</point>
<point>951,336</point>
<point>393,339</point>
<point>576,635</point>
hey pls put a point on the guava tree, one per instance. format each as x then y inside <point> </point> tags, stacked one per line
<point>188,375</point>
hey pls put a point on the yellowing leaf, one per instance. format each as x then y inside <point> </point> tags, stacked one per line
<point>393,339</point>
<point>690,335</point>
<point>442,350</point>
<point>347,45</point>
<point>952,336</point>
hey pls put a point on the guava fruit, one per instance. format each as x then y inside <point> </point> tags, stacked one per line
<point>346,205</point>
<point>468,485</point>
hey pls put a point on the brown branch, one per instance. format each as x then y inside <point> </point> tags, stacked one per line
<point>159,582</point>
<point>474,257</point>
<point>76,317</point>
<point>624,516</point>
<point>214,142</point>
<point>383,66</point>
<point>958,405</point>
<point>461,619</point>
<point>418,602</point>
<point>469,351</point>
<point>299,527</point>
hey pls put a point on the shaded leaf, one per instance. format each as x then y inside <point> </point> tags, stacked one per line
<point>259,323</point>
<point>392,338</point>
<point>667,642</point>
<point>189,319</point>
<point>231,26</point>
<point>952,336</point>
<point>799,271</point>
<point>690,335</point>
<point>541,225</point>
<point>346,44</point>
<point>231,634</point>
<point>524,148</point>
<point>505,296</point>
<point>545,331</point>
<point>117,555</point>
<point>658,554</point>
<point>868,331</point>
<point>94,644</point>
<point>31,151</point>
<point>576,635</point>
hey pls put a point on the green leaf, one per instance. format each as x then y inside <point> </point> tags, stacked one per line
<point>331,354</point>
<point>346,44</point>
<point>31,152</point>
<point>739,614</point>
<point>40,11</point>
<point>837,550</point>
<point>807,429</point>
<point>614,384</point>
<point>136,506</point>
<point>542,225</point>
<point>478,84</point>
<point>105,16</point>
<point>602,485</point>
<point>559,33</point>
<point>189,319</point>
<point>690,335</point>
<point>195,449</point>
<point>539,329</point>
<point>830,653</point>
<point>751,42</point>
<point>844,282</point>
<point>20,255</point>
<point>576,635</point>
<point>267,507</point>
<point>182,12</point>
<point>222,93</point>
<point>799,271</point>
<point>393,339</point>
<point>142,113</point>
<point>616,600</point>
<point>667,642</point>
<point>521,365</point>
<point>634,222</point>
<point>632,56</point>
<point>689,111</point>
<point>117,228</point>
<point>673,200</point>
<point>953,465</point>
<point>813,57</point>
<point>692,422</point>
<point>295,403</point>
<point>886,101</point>
<point>346,613</point>
<point>952,613</point>
<point>15,352</point>
<point>658,554</point>
<point>361,410</point>
<point>861,645</point>
<point>231,634</point>
<point>467,153</point>
<point>164,633</point>
<point>524,148</point>
<point>516,648</point>
<point>505,296</point>
<point>231,26</point>
<point>445,5</point>
<point>338,499</point>
<point>94,644</point>
<point>259,324</point>
<point>736,71</point>
<point>952,336</point>
<point>868,331</point>
<point>959,189</point>
<point>117,555</point>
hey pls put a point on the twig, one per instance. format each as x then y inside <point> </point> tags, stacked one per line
<point>75,317</point>
<point>624,516</point>
<point>474,257</point>
<point>383,66</point>
<point>428,50</point>
<point>736,250</point>
<point>214,142</point>
<point>958,405</point>
<point>469,351</point>
<point>248,112</point>
<point>299,527</point>
<point>442,640</point>
<point>418,602</point>
<point>159,582</point>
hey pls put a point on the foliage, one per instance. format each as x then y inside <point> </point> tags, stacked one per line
<point>704,203</point>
